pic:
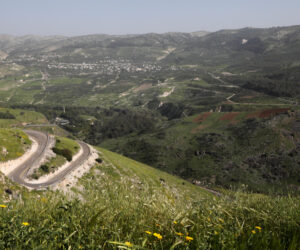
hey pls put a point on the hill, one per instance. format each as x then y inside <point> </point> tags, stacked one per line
<point>122,203</point>
<point>139,95</point>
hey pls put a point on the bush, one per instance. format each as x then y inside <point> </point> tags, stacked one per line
<point>99,160</point>
<point>45,168</point>
<point>63,152</point>
<point>6,115</point>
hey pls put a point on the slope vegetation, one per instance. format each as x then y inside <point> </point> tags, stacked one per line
<point>123,203</point>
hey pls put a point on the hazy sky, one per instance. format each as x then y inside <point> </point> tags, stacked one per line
<point>78,17</point>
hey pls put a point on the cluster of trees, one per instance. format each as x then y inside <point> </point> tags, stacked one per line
<point>103,124</point>
<point>6,115</point>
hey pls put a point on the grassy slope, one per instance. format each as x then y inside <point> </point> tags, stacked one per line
<point>120,199</point>
<point>21,117</point>
<point>13,144</point>
<point>13,140</point>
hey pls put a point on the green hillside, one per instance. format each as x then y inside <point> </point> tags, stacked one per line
<point>123,203</point>
<point>257,148</point>
<point>206,110</point>
<point>13,143</point>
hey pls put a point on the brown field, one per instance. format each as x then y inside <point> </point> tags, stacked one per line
<point>143,87</point>
<point>272,112</point>
<point>229,116</point>
<point>202,117</point>
<point>267,113</point>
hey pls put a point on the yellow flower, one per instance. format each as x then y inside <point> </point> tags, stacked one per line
<point>221,220</point>
<point>158,236</point>
<point>253,231</point>
<point>257,227</point>
<point>148,232</point>
<point>208,219</point>
<point>44,200</point>
<point>175,222</point>
<point>179,234</point>
<point>25,224</point>
<point>188,238</point>
<point>216,233</point>
<point>127,243</point>
<point>4,206</point>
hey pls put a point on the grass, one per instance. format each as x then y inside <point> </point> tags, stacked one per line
<point>22,117</point>
<point>120,199</point>
<point>13,143</point>
<point>66,143</point>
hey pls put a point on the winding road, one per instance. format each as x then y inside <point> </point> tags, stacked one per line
<point>19,174</point>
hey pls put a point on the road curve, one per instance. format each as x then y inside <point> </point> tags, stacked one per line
<point>19,174</point>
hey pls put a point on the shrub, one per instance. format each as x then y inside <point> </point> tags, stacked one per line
<point>63,152</point>
<point>45,168</point>
<point>6,115</point>
<point>99,160</point>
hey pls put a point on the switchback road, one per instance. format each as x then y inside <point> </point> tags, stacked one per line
<point>19,173</point>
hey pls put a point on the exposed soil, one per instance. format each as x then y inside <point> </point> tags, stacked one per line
<point>202,117</point>
<point>267,113</point>
<point>230,117</point>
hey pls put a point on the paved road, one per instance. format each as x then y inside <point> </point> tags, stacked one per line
<point>19,174</point>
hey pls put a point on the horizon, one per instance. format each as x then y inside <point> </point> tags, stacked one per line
<point>159,33</point>
<point>124,17</point>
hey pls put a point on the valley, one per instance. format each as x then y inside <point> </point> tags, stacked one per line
<point>151,141</point>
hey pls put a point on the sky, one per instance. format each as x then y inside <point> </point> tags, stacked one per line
<point>81,17</point>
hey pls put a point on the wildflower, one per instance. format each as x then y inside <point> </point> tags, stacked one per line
<point>259,228</point>
<point>157,225</point>
<point>221,220</point>
<point>179,234</point>
<point>25,223</point>
<point>188,238</point>
<point>127,243</point>
<point>216,232</point>
<point>158,236</point>
<point>253,231</point>
<point>148,232</point>
<point>44,200</point>
<point>4,206</point>
<point>208,219</point>
<point>175,222</point>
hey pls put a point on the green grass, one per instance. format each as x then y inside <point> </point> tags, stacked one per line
<point>22,117</point>
<point>13,144</point>
<point>120,199</point>
<point>146,173</point>
<point>66,143</point>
